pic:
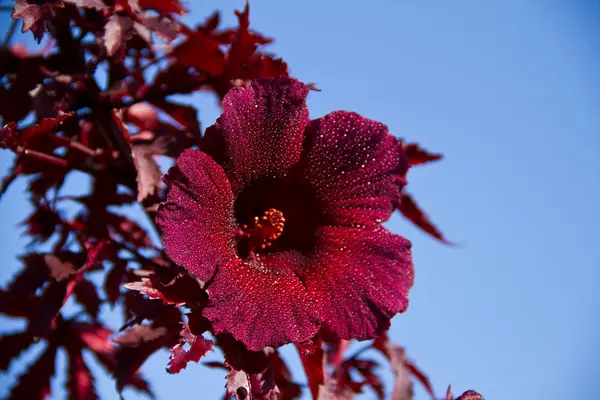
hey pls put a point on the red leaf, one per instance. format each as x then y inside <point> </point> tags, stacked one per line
<point>346,383</point>
<point>143,115</point>
<point>176,78</point>
<point>42,223</point>
<point>81,381</point>
<point>179,290</point>
<point>185,115</point>
<point>97,339</point>
<point>402,368</point>
<point>148,172</point>
<point>202,52</point>
<point>470,395</point>
<point>164,6</point>
<point>421,377</point>
<point>165,28</point>
<point>315,367</point>
<point>35,382</point>
<point>60,270</point>
<point>116,31</point>
<point>32,276</point>
<point>135,346</point>
<point>198,348</point>
<point>244,62</point>
<point>11,346</point>
<point>113,280</point>
<point>14,172</point>
<point>50,304</point>
<point>45,125</point>
<point>18,305</point>
<point>35,15</point>
<point>417,155</point>
<point>87,295</point>
<point>410,209</point>
<point>66,280</point>
<point>251,376</point>
<point>146,287</point>
<point>449,395</point>
<point>403,387</point>
<point>129,230</point>
<point>140,334</point>
<point>289,389</point>
<point>258,386</point>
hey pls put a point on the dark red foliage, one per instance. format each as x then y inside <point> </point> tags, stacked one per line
<point>36,15</point>
<point>468,395</point>
<point>251,374</point>
<point>417,155</point>
<point>198,347</point>
<point>411,210</point>
<point>326,274</point>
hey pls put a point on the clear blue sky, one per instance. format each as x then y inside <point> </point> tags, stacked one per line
<point>510,92</point>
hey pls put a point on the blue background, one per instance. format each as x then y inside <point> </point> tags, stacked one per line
<point>510,92</point>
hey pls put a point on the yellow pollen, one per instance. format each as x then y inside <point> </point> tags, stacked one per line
<point>264,230</point>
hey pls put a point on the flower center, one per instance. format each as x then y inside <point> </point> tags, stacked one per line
<point>261,232</point>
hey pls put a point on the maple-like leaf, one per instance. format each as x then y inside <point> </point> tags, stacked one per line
<point>81,381</point>
<point>251,375</point>
<point>185,115</point>
<point>201,51</point>
<point>288,389</point>
<point>35,15</point>
<point>172,288</point>
<point>65,279</point>
<point>258,386</point>
<point>150,289</point>
<point>136,345</point>
<point>116,31</point>
<point>31,277</point>
<point>129,230</point>
<point>113,280</point>
<point>97,339</point>
<point>346,385</point>
<point>148,172</point>
<point>403,369</point>
<point>12,345</point>
<point>35,382</point>
<point>42,223</point>
<point>86,294</point>
<point>244,60</point>
<point>45,125</point>
<point>61,268</point>
<point>403,387</point>
<point>198,347</point>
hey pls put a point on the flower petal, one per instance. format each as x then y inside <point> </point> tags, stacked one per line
<point>261,130</point>
<point>197,219</point>
<point>359,279</point>
<point>261,303</point>
<point>355,166</point>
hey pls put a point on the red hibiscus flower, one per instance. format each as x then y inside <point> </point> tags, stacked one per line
<point>280,218</point>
